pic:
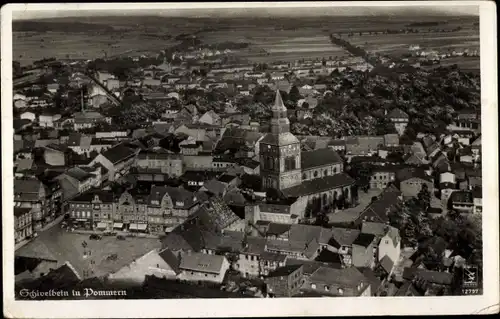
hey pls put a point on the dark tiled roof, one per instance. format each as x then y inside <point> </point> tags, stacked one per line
<point>118,153</point>
<point>19,211</point>
<point>387,263</point>
<point>215,215</point>
<point>343,237</point>
<point>284,271</point>
<point>408,173</point>
<point>278,229</point>
<point>319,157</point>
<point>435,277</point>
<point>397,113</point>
<point>364,240</point>
<point>327,256</point>
<point>169,257</point>
<point>319,185</point>
<point>104,196</point>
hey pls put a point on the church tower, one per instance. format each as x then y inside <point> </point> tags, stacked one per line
<point>280,152</point>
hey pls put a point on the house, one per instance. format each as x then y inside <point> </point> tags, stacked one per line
<point>203,267</point>
<point>387,242</point>
<point>79,143</point>
<point>170,164</point>
<point>31,193</point>
<point>477,194</point>
<point>47,120</point>
<point>92,210</point>
<point>362,250</point>
<point>23,227</point>
<point>400,120</point>
<point>83,120</point>
<point>98,145</point>
<point>378,211</point>
<point>410,181</point>
<point>382,176</point>
<point>285,281</point>
<point>210,118</point>
<point>28,116</point>
<point>341,243</point>
<point>117,160</point>
<point>362,145</point>
<point>83,178</point>
<point>447,185</point>
<point>462,201</point>
<point>159,263</point>
<point>55,155</point>
<point>347,282</point>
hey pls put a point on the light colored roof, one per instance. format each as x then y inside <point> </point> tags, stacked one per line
<point>278,102</point>
<point>202,262</point>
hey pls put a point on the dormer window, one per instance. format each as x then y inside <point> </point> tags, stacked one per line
<point>313,286</point>
<point>327,288</point>
<point>340,291</point>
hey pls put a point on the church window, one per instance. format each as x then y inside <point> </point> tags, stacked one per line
<point>315,174</point>
<point>304,176</point>
<point>334,169</point>
<point>289,163</point>
<point>326,172</point>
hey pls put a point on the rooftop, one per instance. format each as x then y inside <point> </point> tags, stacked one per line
<point>319,185</point>
<point>319,157</point>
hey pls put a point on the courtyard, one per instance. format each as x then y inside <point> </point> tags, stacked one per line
<point>97,258</point>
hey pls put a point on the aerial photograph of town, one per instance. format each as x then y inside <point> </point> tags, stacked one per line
<point>247,154</point>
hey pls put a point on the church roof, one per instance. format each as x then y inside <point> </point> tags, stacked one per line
<point>280,139</point>
<point>319,185</point>
<point>319,157</point>
<point>278,102</point>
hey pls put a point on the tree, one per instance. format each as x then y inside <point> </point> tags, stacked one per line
<point>424,196</point>
<point>322,219</point>
<point>294,94</point>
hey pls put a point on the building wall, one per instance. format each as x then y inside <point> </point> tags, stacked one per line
<point>198,162</point>
<point>248,265</point>
<point>400,125</point>
<point>170,166</point>
<point>273,169</point>
<point>381,179</point>
<point>23,226</point>
<point>386,247</point>
<point>322,171</point>
<point>412,186</point>
<point>478,206</point>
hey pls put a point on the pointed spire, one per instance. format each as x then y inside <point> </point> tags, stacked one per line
<point>278,102</point>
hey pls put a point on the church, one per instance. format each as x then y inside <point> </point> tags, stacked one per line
<point>310,181</point>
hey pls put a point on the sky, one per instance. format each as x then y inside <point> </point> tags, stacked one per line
<point>46,11</point>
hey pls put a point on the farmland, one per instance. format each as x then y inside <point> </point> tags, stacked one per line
<point>32,46</point>
<point>269,44</point>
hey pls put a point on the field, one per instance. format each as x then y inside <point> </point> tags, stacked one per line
<point>270,39</point>
<point>32,46</point>
<point>270,44</point>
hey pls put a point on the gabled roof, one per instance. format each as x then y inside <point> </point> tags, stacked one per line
<point>343,237</point>
<point>284,271</point>
<point>319,157</point>
<point>319,185</point>
<point>364,240</point>
<point>169,257</point>
<point>118,153</point>
<point>202,262</point>
<point>387,263</point>
<point>397,113</point>
<point>434,277</point>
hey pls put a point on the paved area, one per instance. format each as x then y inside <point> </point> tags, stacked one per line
<point>350,214</point>
<point>92,260</point>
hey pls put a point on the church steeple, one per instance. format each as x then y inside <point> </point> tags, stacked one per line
<point>279,122</point>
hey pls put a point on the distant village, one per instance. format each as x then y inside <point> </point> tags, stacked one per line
<point>244,200</point>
